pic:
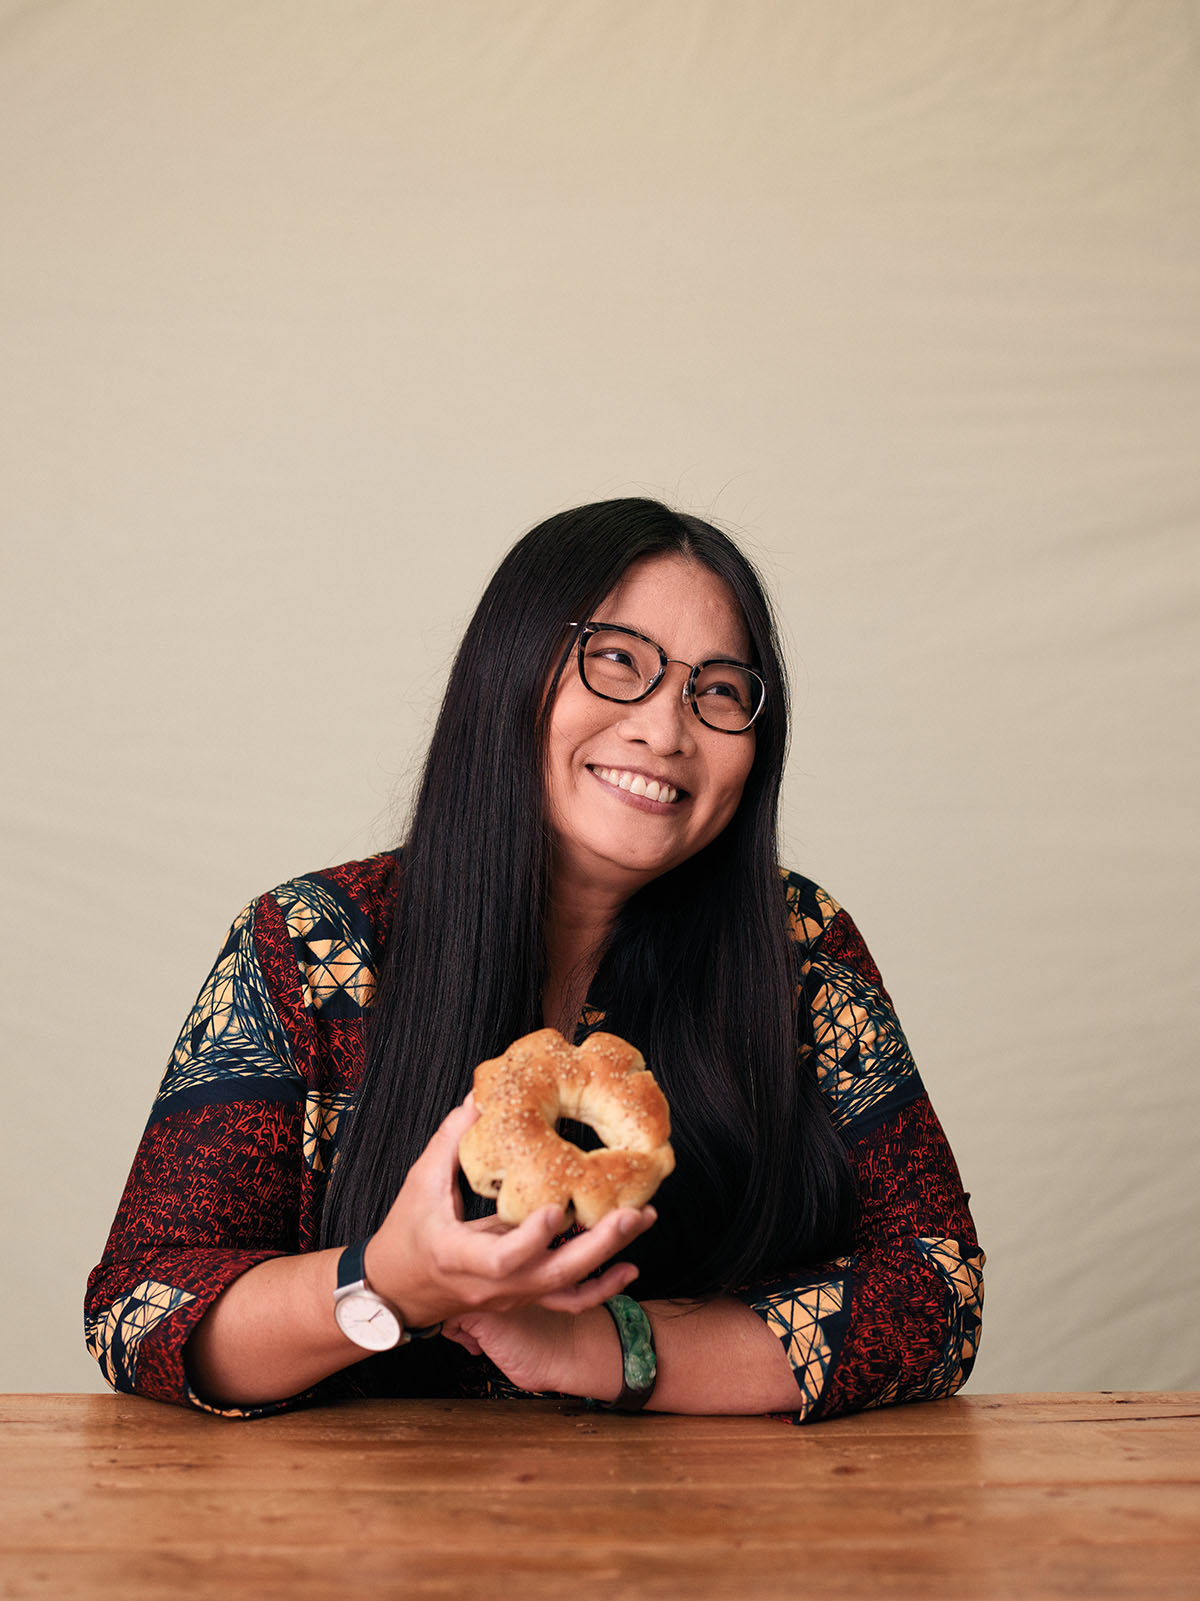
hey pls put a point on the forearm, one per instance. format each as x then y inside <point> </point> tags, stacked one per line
<point>719,1357</point>
<point>714,1357</point>
<point>271,1334</point>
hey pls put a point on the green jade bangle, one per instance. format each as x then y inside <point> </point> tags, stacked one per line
<point>639,1363</point>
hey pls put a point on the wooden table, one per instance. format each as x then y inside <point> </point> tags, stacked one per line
<point>982,1496</point>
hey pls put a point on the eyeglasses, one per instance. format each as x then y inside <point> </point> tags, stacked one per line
<point>617,663</point>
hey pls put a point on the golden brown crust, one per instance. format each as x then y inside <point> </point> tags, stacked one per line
<point>515,1153</point>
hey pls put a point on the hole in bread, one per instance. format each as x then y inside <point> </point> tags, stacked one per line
<point>581,1134</point>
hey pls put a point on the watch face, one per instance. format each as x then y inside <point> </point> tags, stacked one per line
<point>363,1318</point>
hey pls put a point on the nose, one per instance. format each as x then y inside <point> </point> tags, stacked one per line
<point>663,721</point>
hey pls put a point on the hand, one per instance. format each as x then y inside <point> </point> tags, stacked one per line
<point>434,1265</point>
<point>541,1350</point>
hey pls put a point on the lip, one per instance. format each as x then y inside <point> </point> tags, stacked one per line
<point>641,803</point>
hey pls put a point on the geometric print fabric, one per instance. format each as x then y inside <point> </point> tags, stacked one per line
<point>246,1026</point>
<point>804,1319</point>
<point>810,908</point>
<point>862,1057</point>
<point>334,957</point>
<point>114,1338</point>
<point>233,1031</point>
<point>963,1276</point>
<point>323,1111</point>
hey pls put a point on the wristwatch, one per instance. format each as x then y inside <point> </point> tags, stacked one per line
<point>362,1314</point>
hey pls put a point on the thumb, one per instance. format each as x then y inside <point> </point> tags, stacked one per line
<point>456,1123</point>
<point>438,1162</point>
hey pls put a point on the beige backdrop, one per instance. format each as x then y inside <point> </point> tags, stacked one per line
<point>310,308</point>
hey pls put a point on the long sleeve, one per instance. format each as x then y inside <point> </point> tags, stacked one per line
<point>898,1318</point>
<point>231,1166</point>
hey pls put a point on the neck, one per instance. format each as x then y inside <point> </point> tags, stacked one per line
<point>579,920</point>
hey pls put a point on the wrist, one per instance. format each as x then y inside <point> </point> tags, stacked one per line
<point>416,1310</point>
<point>364,1313</point>
<point>639,1361</point>
<point>597,1364</point>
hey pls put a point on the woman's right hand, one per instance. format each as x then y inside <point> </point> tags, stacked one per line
<point>433,1264</point>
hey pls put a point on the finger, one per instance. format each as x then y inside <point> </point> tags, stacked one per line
<point>436,1168</point>
<point>526,1253</point>
<point>456,1123</point>
<point>617,1228</point>
<point>520,1259</point>
<point>578,1257</point>
<point>490,1250</point>
<point>490,1224</point>
<point>461,1337</point>
<point>530,1241</point>
<point>582,1297</point>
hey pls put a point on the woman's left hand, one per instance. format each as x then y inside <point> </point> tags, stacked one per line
<point>536,1349</point>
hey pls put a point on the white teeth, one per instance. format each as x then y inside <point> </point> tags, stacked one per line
<point>651,788</point>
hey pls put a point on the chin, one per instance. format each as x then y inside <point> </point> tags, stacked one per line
<point>640,866</point>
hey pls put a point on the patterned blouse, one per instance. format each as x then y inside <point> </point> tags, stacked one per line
<point>231,1168</point>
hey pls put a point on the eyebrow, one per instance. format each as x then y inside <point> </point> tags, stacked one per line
<point>718,656</point>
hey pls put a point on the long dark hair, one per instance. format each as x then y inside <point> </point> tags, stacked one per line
<point>699,972</point>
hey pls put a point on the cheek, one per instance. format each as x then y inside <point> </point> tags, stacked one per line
<point>561,745</point>
<point>558,763</point>
<point>733,776</point>
<point>571,723</point>
<point>576,718</point>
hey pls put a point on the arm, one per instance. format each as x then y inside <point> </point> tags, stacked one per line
<point>209,1292</point>
<point>714,1357</point>
<point>216,1186</point>
<point>896,1319</point>
<point>272,1332</point>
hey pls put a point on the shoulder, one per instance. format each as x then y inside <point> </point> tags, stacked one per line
<point>334,923</point>
<point>863,1064</point>
<point>810,908</point>
<point>824,931</point>
<point>360,893</point>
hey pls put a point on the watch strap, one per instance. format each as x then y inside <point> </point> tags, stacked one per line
<point>352,1265</point>
<point>352,1270</point>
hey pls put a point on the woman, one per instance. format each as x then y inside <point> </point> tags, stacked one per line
<point>593,844</point>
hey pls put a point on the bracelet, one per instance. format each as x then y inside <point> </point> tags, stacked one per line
<point>639,1361</point>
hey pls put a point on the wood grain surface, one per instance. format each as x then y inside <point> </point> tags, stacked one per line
<point>983,1496</point>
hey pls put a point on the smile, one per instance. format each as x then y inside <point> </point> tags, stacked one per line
<point>636,784</point>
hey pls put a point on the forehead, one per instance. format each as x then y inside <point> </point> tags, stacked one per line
<point>682,605</point>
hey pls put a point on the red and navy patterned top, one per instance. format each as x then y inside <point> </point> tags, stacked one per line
<point>232,1166</point>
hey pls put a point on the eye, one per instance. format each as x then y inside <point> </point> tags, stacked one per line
<point>723,689</point>
<point>614,655</point>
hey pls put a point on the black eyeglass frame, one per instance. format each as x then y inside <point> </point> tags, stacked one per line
<point>592,626</point>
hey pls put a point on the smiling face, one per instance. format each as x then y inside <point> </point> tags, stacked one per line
<point>635,789</point>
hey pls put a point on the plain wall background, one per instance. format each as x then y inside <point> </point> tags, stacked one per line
<point>309,309</point>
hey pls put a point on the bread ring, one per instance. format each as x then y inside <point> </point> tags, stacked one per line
<point>515,1153</point>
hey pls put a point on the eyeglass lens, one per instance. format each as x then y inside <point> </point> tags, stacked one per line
<point>620,666</point>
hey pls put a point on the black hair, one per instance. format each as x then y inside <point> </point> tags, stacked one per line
<point>699,973</point>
